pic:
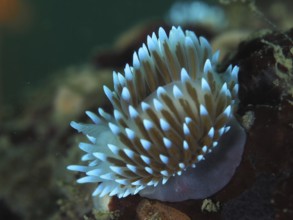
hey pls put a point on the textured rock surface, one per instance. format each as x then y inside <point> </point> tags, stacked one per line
<point>157,210</point>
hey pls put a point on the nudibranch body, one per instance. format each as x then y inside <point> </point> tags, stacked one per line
<point>171,111</point>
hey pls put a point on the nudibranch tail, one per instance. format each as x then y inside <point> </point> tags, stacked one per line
<point>171,108</point>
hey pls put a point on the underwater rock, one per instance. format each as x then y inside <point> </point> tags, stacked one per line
<point>265,64</point>
<point>156,210</point>
<point>253,203</point>
<point>34,144</point>
<point>282,197</point>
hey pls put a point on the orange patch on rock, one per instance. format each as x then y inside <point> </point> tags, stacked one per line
<point>147,210</point>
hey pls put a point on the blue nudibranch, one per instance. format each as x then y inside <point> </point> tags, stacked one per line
<point>172,135</point>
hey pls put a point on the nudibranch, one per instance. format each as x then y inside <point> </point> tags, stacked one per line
<point>173,135</point>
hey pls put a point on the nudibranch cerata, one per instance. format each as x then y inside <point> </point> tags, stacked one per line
<point>173,135</point>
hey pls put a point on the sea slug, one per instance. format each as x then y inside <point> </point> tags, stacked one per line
<point>173,135</point>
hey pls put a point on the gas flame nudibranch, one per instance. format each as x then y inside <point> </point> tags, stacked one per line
<point>172,135</point>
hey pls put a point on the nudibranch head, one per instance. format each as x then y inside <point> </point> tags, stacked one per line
<point>171,109</point>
